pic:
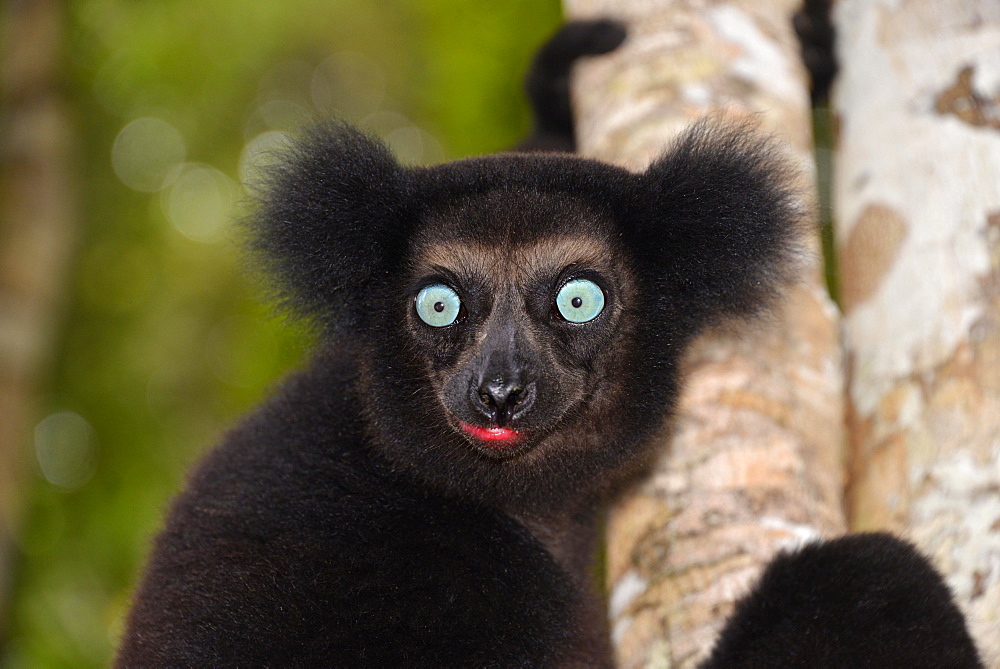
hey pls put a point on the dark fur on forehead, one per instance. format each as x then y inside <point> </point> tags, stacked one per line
<point>603,187</point>
<point>544,257</point>
<point>511,215</point>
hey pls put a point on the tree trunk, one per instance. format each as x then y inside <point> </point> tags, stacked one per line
<point>918,232</point>
<point>36,225</point>
<point>755,460</point>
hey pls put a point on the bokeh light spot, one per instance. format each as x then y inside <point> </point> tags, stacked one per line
<point>408,144</point>
<point>66,450</point>
<point>259,153</point>
<point>384,122</point>
<point>147,154</point>
<point>200,203</point>
<point>283,115</point>
<point>433,151</point>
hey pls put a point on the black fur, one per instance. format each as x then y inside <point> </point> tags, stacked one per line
<point>817,40</point>
<point>869,600</point>
<point>547,82</point>
<point>356,519</point>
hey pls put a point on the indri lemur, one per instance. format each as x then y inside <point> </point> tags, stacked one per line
<point>502,338</point>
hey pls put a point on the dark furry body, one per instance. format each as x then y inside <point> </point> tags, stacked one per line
<point>350,521</point>
<point>868,600</point>
<point>295,545</point>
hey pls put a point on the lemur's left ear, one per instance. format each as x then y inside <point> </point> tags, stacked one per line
<point>328,221</point>
<point>721,226</point>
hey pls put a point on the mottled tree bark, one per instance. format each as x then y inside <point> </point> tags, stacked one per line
<point>918,233</point>
<point>754,463</point>
<point>36,222</point>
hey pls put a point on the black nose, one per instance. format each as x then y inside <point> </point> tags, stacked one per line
<point>501,399</point>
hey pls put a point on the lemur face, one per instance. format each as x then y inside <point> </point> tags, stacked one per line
<point>522,314</point>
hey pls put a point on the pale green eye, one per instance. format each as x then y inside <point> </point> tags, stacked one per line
<point>438,305</point>
<point>580,301</point>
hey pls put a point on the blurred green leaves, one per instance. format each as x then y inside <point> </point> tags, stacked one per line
<point>165,342</point>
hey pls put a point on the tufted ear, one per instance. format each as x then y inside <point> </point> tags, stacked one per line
<point>721,228</point>
<point>328,223</point>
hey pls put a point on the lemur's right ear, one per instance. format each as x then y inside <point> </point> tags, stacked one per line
<point>328,221</point>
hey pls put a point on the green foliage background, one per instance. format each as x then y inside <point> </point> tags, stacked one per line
<point>165,341</point>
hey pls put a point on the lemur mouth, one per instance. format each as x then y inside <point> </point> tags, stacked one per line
<point>499,438</point>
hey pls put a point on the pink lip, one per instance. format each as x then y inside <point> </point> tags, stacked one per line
<point>491,433</point>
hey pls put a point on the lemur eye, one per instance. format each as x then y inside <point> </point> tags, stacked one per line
<point>580,301</point>
<point>438,305</point>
